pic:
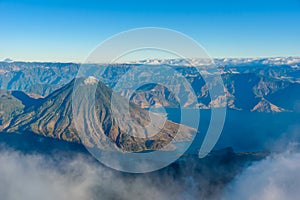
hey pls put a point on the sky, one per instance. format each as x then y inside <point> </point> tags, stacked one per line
<point>69,30</point>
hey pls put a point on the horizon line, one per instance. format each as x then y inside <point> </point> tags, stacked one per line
<point>8,60</point>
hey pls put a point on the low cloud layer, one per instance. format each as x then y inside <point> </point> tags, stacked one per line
<point>35,177</point>
<point>274,178</point>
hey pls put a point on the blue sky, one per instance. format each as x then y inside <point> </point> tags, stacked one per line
<point>45,30</point>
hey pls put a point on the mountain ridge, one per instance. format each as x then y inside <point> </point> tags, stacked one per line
<point>265,78</point>
<point>54,118</point>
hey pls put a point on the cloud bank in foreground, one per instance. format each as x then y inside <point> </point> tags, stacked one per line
<point>275,178</point>
<point>35,176</point>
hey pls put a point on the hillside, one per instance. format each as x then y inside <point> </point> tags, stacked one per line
<point>52,117</point>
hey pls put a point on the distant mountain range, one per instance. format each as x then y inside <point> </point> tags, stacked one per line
<point>220,62</point>
<point>256,85</point>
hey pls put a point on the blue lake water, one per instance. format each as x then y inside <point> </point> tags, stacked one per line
<point>246,131</point>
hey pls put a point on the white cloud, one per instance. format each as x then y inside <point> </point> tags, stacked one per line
<point>274,178</point>
<point>61,177</point>
<point>35,177</point>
